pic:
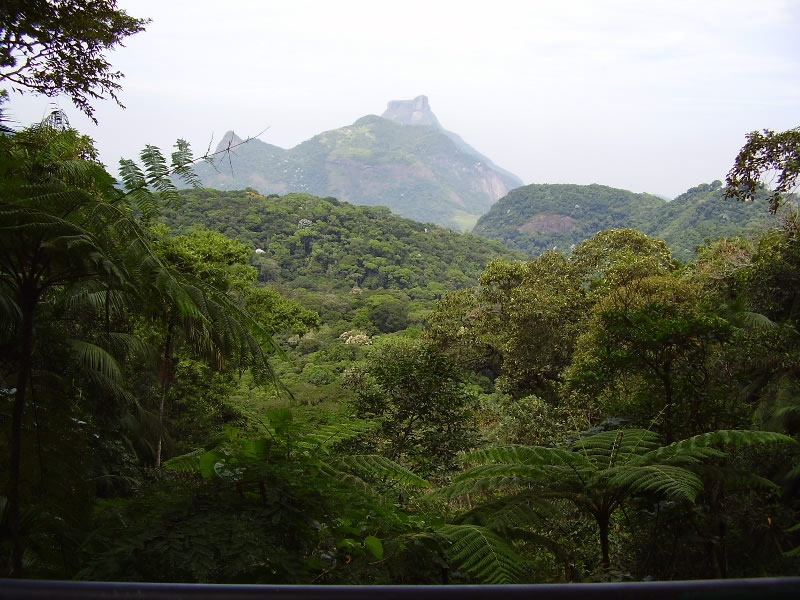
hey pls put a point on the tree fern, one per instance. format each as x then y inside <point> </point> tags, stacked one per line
<point>597,475</point>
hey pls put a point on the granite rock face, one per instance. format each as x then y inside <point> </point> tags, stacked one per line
<point>411,112</point>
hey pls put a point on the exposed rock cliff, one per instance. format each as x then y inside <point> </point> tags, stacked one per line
<point>411,112</point>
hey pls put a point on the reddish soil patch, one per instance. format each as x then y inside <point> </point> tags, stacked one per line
<point>543,223</point>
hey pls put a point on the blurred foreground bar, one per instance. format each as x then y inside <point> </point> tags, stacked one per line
<point>763,589</point>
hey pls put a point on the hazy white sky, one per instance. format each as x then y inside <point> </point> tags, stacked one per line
<point>652,95</point>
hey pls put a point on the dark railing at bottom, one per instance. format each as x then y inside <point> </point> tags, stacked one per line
<point>763,589</point>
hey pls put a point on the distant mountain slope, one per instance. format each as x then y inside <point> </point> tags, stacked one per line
<point>404,160</point>
<point>702,213</point>
<point>313,243</point>
<point>538,217</point>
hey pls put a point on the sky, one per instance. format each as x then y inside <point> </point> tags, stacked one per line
<point>650,96</point>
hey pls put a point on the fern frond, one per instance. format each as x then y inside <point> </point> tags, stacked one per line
<point>186,463</point>
<point>325,436</point>
<point>734,437</point>
<point>126,343</point>
<point>530,473</point>
<point>675,455</point>
<point>668,480</point>
<point>524,455</point>
<point>482,553</point>
<point>787,411</point>
<point>155,166</point>
<point>536,539</point>
<point>607,448</point>
<point>182,159</point>
<point>733,478</point>
<point>137,193</point>
<point>379,467</point>
<point>353,480</point>
<point>524,509</point>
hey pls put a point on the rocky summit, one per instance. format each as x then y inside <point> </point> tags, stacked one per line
<point>411,112</point>
<point>404,160</point>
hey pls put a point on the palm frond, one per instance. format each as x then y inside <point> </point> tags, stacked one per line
<point>95,358</point>
<point>753,320</point>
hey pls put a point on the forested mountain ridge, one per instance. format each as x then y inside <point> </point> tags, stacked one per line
<point>416,168</point>
<point>306,241</point>
<point>702,213</point>
<point>540,217</point>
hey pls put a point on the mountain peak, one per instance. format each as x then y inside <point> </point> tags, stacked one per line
<point>411,112</point>
<point>228,140</point>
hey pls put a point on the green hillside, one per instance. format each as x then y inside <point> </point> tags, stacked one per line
<point>538,217</point>
<point>702,213</point>
<point>321,243</point>
<point>535,218</point>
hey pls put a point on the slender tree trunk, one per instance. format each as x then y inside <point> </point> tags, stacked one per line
<point>667,380</point>
<point>166,380</point>
<point>28,297</point>
<point>602,523</point>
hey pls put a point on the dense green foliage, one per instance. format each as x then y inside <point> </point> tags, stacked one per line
<point>571,379</point>
<point>536,218</point>
<point>417,171</point>
<point>638,343</point>
<point>421,400</point>
<point>765,154</point>
<point>616,405</point>
<point>323,244</point>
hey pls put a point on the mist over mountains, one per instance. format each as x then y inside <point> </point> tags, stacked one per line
<point>403,159</point>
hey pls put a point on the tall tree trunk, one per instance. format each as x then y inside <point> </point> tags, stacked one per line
<point>28,299</point>
<point>166,381</point>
